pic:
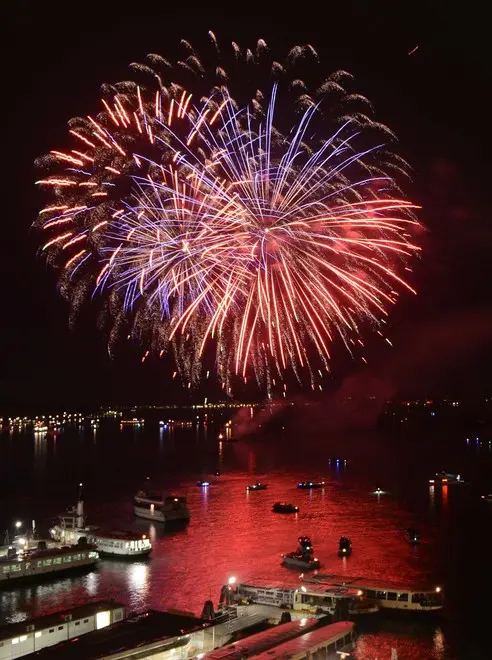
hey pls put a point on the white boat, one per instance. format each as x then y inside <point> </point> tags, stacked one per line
<point>446,479</point>
<point>42,561</point>
<point>387,595</point>
<point>154,506</point>
<point>312,599</point>
<point>71,527</point>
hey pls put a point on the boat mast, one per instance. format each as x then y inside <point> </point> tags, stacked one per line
<point>80,508</point>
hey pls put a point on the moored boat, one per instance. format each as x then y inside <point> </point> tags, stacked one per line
<point>387,595</point>
<point>43,561</point>
<point>71,527</point>
<point>282,507</point>
<point>311,599</point>
<point>487,498</point>
<point>203,484</point>
<point>257,486</point>
<point>303,557</point>
<point>154,506</point>
<point>308,485</point>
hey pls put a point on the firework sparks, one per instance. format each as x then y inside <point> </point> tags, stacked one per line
<point>210,228</point>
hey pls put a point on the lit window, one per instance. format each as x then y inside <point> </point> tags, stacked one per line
<point>15,640</point>
<point>23,638</point>
<point>37,634</point>
<point>102,619</point>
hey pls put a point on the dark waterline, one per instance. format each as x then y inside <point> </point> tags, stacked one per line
<point>234,533</point>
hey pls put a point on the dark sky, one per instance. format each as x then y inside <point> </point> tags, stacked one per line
<point>56,56</point>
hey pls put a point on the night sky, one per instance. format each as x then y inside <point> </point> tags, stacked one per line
<point>436,100</point>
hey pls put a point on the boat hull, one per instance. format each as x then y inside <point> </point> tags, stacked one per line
<point>161,516</point>
<point>141,554</point>
<point>290,562</point>
<point>41,575</point>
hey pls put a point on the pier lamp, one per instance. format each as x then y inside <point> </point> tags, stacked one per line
<point>18,524</point>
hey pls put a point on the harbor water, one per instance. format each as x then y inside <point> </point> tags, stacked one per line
<point>233,532</point>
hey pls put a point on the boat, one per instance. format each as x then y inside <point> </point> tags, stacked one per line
<point>282,507</point>
<point>203,484</point>
<point>311,484</point>
<point>303,598</point>
<point>257,486</point>
<point>132,422</point>
<point>344,547</point>
<point>487,498</point>
<point>386,595</point>
<point>39,427</point>
<point>446,478</point>
<point>411,535</point>
<point>155,506</point>
<point>302,557</point>
<point>226,438</point>
<point>71,527</point>
<point>29,564</point>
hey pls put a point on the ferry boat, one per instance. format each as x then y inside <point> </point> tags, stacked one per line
<point>311,484</point>
<point>153,506</point>
<point>446,479</point>
<point>71,528</point>
<point>132,422</point>
<point>282,507</point>
<point>257,486</point>
<point>313,599</point>
<point>412,536</point>
<point>344,547</point>
<point>302,557</point>
<point>386,595</point>
<point>43,561</point>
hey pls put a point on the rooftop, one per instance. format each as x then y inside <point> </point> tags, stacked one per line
<point>263,641</point>
<point>57,618</point>
<point>133,632</point>
<point>309,640</point>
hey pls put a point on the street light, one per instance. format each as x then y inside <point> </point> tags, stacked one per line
<point>18,524</point>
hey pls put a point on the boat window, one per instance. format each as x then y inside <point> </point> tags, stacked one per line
<point>347,639</point>
<point>391,595</point>
<point>57,560</point>
<point>381,594</point>
<point>23,638</point>
<point>403,598</point>
<point>60,627</point>
<point>15,640</point>
<point>370,593</point>
<point>52,630</point>
<point>86,620</point>
<point>77,623</point>
<point>40,563</point>
<point>15,567</point>
<point>6,569</point>
<point>331,648</point>
<point>416,598</point>
<point>27,564</point>
<point>67,559</point>
<point>47,562</point>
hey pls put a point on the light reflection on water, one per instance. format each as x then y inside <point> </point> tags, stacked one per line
<point>234,532</point>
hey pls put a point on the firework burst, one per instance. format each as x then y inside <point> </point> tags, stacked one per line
<point>257,224</point>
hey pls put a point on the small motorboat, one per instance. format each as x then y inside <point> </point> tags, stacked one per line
<point>379,491</point>
<point>282,507</point>
<point>487,498</point>
<point>446,479</point>
<point>412,535</point>
<point>311,484</point>
<point>302,557</point>
<point>257,486</point>
<point>203,484</point>
<point>344,547</point>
